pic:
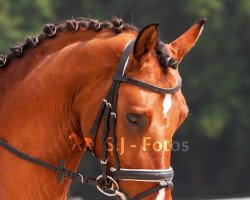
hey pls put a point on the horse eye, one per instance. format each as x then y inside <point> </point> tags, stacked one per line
<point>133,119</point>
<point>140,121</point>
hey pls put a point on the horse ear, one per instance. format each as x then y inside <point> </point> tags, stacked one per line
<point>145,41</point>
<point>187,40</point>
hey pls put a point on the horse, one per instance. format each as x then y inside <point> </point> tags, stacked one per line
<point>61,93</point>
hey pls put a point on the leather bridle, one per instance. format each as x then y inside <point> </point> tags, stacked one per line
<point>107,181</point>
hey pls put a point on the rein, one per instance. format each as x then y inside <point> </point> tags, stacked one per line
<point>107,181</point>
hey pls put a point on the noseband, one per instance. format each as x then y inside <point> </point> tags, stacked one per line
<point>107,181</point>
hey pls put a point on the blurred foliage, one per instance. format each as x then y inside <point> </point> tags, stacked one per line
<point>23,17</point>
<point>215,73</point>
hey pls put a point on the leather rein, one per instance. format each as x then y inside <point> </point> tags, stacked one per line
<point>107,183</point>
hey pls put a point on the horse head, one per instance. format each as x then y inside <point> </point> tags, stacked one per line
<point>50,90</point>
<point>147,119</point>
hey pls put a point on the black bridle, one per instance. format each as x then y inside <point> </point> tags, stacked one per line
<point>107,181</point>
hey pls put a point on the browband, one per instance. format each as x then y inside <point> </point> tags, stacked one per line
<point>147,86</point>
<point>120,77</point>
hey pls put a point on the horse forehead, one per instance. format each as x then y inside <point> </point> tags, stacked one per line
<point>140,98</point>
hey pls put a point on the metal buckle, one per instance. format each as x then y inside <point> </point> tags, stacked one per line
<point>110,189</point>
<point>112,113</point>
<point>168,183</point>
<point>104,162</point>
<point>81,177</point>
<point>107,103</point>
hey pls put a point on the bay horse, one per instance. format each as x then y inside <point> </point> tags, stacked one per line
<point>56,87</point>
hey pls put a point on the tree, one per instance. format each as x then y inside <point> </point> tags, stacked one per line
<point>18,19</point>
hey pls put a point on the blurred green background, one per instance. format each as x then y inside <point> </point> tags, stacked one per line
<point>215,75</point>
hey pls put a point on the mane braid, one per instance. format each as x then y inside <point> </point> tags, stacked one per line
<point>163,56</point>
<point>50,31</point>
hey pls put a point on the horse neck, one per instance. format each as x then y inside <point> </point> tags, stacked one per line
<point>42,97</point>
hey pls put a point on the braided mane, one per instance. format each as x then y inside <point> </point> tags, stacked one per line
<point>50,31</point>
